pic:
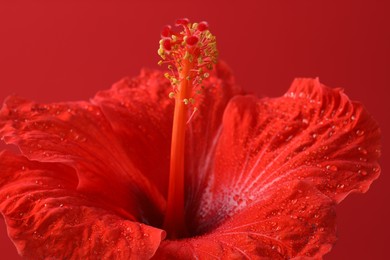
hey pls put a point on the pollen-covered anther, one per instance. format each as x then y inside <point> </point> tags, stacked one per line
<point>190,50</point>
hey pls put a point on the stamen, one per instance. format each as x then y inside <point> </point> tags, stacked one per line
<point>192,51</point>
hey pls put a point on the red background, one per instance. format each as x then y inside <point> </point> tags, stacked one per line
<point>67,51</point>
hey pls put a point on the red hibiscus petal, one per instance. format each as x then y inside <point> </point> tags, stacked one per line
<point>47,217</point>
<point>141,113</point>
<point>202,133</point>
<point>77,134</point>
<point>313,133</point>
<point>295,220</point>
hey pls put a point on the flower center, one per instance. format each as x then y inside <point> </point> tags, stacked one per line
<point>189,54</point>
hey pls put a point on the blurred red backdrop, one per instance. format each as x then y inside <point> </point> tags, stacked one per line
<point>62,50</point>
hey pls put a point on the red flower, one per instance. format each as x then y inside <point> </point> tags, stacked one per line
<point>262,176</point>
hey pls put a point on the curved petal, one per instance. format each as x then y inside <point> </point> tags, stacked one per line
<point>295,220</point>
<point>313,133</point>
<point>47,218</point>
<point>202,133</point>
<point>77,134</point>
<point>141,113</point>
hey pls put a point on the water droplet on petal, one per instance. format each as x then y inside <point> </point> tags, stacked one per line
<point>363,172</point>
<point>362,150</point>
<point>359,132</point>
<point>332,168</point>
<point>61,205</point>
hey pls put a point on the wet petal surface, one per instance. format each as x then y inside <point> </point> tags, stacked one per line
<point>48,218</point>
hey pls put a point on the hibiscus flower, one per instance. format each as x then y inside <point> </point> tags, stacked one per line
<point>242,178</point>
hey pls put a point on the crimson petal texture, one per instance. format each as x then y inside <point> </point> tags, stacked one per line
<point>141,115</point>
<point>77,134</point>
<point>295,219</point>
<point>313,134</point>
<point>48,218</point>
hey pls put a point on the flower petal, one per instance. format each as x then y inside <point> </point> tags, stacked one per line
<point>141,113</point>
<point>77,134</point>
<point>48,218</point>
<point>296,220</point>
<point>313,133</point>
<point>202,133</point>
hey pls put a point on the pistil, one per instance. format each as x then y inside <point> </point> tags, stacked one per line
<point>190,51</point>
<point>174,222</point>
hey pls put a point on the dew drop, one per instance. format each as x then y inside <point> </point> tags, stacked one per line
<point>61,205</point>
<point>340,186</point>
<point>359,132</point>
<point>375,169</point>
<point>332,168</point>
<point>314,136</point>
<point>353,118</point>
<point>362,150</point>
<point>305,121</point>
<point>316,216</point>
<point>363,172</point>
